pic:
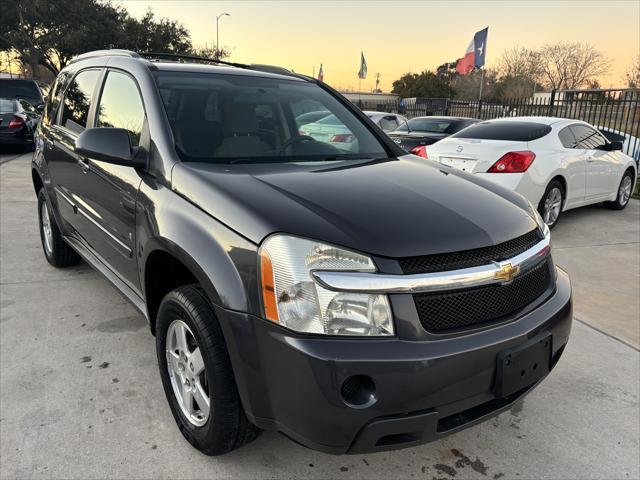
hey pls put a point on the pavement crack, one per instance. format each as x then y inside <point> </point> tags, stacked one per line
<point>624,342</point>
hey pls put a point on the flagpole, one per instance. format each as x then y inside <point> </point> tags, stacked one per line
<point>480,95</point>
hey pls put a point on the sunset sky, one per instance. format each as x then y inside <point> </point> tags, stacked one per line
<point>399,37</point>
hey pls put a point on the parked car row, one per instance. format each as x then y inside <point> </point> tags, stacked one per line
<point>21,104</point>
<point>557,164</point>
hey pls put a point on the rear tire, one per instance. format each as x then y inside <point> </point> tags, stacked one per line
<point>221,426</point>
<point>57,252</point>
<point>625,189</point>
<point>550,206</point>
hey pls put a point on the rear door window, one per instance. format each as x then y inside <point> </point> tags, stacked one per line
<point>77,101</point>
<point>567,138</point>
<point>587,138</point>
<point>513,131</point>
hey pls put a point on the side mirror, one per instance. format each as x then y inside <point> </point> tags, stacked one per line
<point>111,145</point>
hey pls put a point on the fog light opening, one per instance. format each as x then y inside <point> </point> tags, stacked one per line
<point>359,391</point>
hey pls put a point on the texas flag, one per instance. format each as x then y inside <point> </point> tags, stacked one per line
<point>474,57</point>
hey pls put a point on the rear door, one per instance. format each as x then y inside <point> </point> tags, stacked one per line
<point>601,166</point>
<point>67,170</point>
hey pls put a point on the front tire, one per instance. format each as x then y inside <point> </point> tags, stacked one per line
<point>550,206</point>
<point>624,193</point>
<point>197,375</point>
<point>57,252</point>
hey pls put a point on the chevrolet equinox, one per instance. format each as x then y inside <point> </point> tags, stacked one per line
<point>329,287</point>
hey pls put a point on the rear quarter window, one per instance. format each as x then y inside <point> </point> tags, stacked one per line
<point>513,131</point>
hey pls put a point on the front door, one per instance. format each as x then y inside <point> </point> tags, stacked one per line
<point>110,192</point>
<point>599,163</point>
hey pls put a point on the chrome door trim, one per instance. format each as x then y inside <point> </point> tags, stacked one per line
<point>78,209</point>
<point>104,230</point>
<point>382,283</point>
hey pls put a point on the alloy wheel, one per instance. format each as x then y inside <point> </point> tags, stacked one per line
<point>552,206</point>
<point>624,193</point>
<point>187,373</point>
<point>46,228</point>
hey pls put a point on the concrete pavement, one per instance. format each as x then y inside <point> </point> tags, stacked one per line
<point>80,393</point>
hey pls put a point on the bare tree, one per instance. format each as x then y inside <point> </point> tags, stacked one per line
<point>520,62</point>
<point>632,75</point>
<point>571,65</point>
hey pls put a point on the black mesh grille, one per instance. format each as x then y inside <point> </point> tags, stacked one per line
<point>453,310</point>
<point>469,258</point>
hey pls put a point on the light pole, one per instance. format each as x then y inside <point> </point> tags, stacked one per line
<point>217,36</point>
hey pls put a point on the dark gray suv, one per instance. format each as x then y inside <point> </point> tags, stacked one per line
<point>330,287</point>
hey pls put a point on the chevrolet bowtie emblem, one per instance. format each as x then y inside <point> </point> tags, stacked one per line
<point>506,273</point>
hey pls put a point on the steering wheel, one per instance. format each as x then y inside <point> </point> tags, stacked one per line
<point>293,141</point>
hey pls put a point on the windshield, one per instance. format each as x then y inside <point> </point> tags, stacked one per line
<point>222,118</point>
<point>26,89</point>
<point>430,125</point>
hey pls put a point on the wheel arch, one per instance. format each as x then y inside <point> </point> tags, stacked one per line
<point>565,186</point>
<point>167,266</point>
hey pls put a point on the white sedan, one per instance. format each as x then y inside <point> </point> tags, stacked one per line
<point>556,163</point>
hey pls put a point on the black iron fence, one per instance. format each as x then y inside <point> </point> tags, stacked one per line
<point>615,111</point>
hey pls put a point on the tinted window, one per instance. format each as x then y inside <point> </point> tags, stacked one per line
<point>77,101</point>
<point>566,138</point>
<point>513,131</point>
<point>26,89</point>
<point>249,119</point>
<point>587,137</point>
<point>7,106</point>
<point>121,106</point>
<point>432,125</point>
<point>54,98</point>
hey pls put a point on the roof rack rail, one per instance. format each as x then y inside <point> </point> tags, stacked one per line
<point>102,53</point>
<point>178,57</point>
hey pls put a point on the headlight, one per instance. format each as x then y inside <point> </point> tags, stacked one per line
<point>291,298</point>
<point>535,214</point>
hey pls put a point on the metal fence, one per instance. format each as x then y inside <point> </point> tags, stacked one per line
<point>613,110</point>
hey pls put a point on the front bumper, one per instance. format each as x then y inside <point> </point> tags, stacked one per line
<point>425,389</point>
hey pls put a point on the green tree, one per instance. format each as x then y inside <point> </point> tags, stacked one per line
<point>50,34</point>
<point>425,84</point>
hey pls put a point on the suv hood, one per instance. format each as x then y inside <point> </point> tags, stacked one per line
<point>394,208</point>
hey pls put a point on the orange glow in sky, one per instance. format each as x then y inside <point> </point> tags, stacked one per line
<point>402,36</point>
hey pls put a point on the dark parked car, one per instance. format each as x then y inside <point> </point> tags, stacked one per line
<point>15,88</point>
<point>354,301</point>
<point>418,132</point>
<point>18,122</point>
